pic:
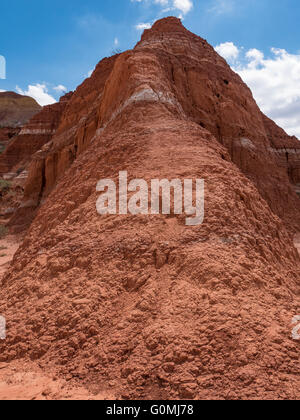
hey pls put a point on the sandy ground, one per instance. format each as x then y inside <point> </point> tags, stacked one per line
<point>25,380</point>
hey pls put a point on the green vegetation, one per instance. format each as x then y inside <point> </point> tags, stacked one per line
<point>3,231</point>
<point>4,185</point>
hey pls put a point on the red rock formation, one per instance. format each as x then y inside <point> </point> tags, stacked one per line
<point>206,91</point>
<point>37,132</point>
<point>144,306</point>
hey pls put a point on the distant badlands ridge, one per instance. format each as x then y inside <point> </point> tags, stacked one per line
<point>144,306</point>
<point>15,111</point>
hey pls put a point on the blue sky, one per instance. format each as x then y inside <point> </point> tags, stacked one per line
<point>49,45</point>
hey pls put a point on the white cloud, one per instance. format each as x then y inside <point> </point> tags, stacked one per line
<point>1,90</point>
<point>255,58</point>
<point>143,26</point>
<point>60,89</point>
<point>275,82</point>
<point>39,92</point>
<point>182,7</point>
<point>116,42</point>
<point>228,50</point>
<point>185,6</point>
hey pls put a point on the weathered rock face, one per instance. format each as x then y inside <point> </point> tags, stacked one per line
<point>144,304</point>
<point>33,135</point>
<point>16,110</point>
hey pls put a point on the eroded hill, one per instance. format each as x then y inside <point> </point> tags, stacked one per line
<point>144,306</point>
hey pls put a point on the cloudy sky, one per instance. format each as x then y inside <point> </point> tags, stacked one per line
<point>51,46</point>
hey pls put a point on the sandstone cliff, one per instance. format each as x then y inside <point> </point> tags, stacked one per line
<point>144,306</point>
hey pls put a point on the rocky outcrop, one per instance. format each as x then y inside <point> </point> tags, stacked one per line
<point>144,304</point>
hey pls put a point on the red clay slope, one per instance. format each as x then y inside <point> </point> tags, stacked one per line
<point>143,306</point>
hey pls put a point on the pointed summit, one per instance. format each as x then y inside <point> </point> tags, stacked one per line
<point>165,27</point>
<point>168,24</point>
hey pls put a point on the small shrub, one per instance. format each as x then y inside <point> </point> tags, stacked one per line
<point>116,51</point>
<point>11,194</point>
<point>3,231</point>
<point>4,185</point>
<point>20,170</point>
